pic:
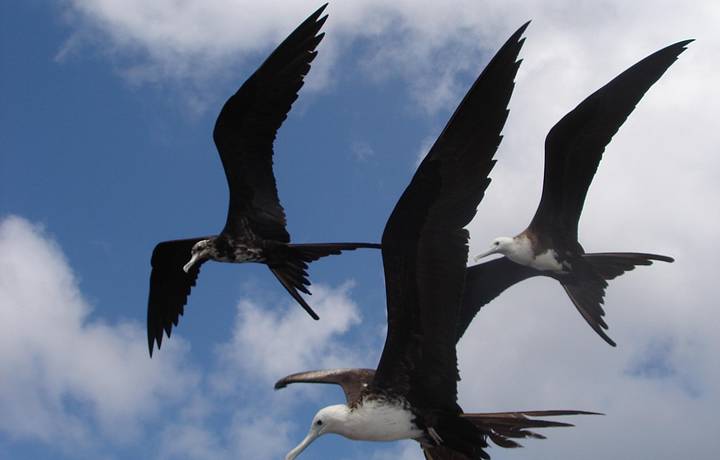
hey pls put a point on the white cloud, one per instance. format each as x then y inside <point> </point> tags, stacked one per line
<point>69,373</point>
<point>429,45</point>
<point>272,343</point>
<point>529,349</point>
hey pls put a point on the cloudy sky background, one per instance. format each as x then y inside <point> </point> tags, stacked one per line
<point>106,114</point>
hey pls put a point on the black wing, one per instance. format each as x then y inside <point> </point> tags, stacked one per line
<point>574,146</point>
<point>352,381</point>
<point>246,127</point>
<point>484,282</point>
<point>424,245</point>
<point>169,287</point>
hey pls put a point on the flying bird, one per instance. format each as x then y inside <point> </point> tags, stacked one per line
<point>503,428</point>
<point>413,392</point>
<point>255,230</point>
<point>549,245</point>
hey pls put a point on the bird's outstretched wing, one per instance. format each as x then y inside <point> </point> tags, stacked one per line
<point>484,282</point>
<point>575,145</point>
<point>424,245</point>
<point>352,381</point>
<point>169,287</point>
<point>246,128</point>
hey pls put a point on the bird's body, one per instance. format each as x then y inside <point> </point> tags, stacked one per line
<point>374,418</point>
<point>225,248</point>
<point>413,392</point>
<point>255,229</point>
<point>573,150</point>
<point>520,249</point>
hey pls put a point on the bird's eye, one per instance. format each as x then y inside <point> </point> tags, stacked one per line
<point>497,243</point>
<point>318,423</point>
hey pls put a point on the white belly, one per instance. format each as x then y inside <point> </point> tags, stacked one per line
<point>376,421</point>
<point>521,252</point>
<point>547,261</point>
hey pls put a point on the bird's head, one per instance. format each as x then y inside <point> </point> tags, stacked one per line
<point>500,245</point>
<point>200,252</point>
<point>327,420</point>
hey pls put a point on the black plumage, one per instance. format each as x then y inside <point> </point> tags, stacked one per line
<point>255,230</point>
<point>485,281</point>
<point>503,428</point>
<point>424,250</point>
<point>573,150</point>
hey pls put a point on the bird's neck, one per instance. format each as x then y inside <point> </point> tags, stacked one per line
<point>520,250</point>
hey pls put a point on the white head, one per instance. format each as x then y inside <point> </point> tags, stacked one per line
<point>200,252</point>
<point>328,420</point>
<point>501,245</point>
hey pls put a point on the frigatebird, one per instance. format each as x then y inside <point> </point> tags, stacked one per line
<point>255,230</point>
<point>573,149</point>
<point>503,428</point>
<point>413,392</point>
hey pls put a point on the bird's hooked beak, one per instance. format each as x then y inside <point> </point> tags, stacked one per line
<point>312,435</point>
<point>492,250</point>
<point>195,257</point>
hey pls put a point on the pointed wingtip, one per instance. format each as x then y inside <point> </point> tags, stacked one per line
<point>151,346</point>
<point>319,11</point>
<point>523,27</point>
<point>516,36</point>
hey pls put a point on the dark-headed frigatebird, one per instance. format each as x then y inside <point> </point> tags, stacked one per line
<point>255,230</point>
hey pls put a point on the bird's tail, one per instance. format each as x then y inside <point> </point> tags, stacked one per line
<point>610,265</point>
<point>289,264</point>
<point>587,291</point>
<point>504,427</point>
<point>465,437</point>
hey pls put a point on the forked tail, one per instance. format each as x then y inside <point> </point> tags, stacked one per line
<point>610,265</point>
<point>587,291</point>
<point>502,428</point>
<point>289,264</point>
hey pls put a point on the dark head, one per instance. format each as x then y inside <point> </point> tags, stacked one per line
<point>200,252</point>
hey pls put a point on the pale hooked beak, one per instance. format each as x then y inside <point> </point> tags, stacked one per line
<point>492,250</point>
<point>301,447</point>
<point>191,262</point>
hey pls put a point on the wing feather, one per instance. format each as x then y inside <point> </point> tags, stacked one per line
<point>352,381</point>
<point>484,282</point>
<point>246,128</point>
<point>424,244</point>
<point>169,287</point>
<point>575,145</point>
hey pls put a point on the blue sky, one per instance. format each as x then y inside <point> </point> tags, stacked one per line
<point>105,149</point>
